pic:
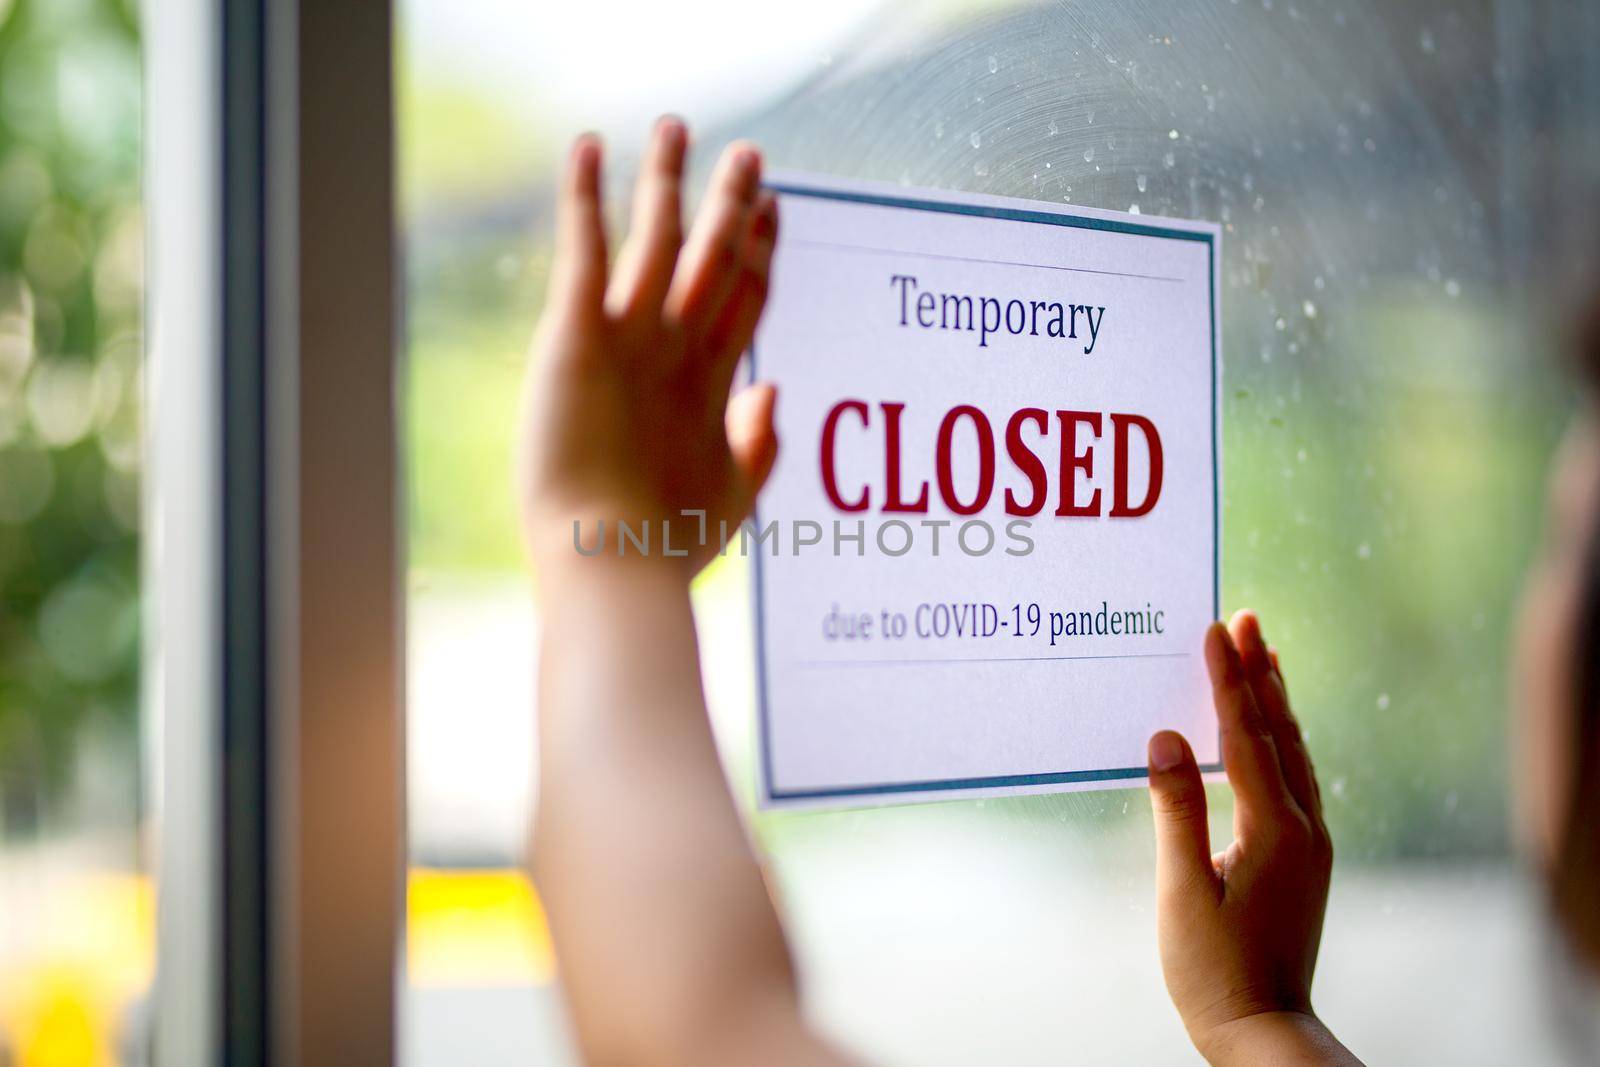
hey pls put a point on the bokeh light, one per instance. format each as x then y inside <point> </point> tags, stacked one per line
<point>71,279</point>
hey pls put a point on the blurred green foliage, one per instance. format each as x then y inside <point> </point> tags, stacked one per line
<point>71,265</point>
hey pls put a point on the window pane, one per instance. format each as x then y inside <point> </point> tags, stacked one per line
<point>1402,188</point>
<point>77,940</point>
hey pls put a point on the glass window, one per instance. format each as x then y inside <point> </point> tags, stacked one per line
<point>77,940</point>
<point>1403,190</point>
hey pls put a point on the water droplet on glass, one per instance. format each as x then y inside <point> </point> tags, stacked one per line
<point>1172,135</point>
<point>1310,309</point>
<point>1452,288</point>
<point>1088,154</point>
<point>1338,786</point>
<point>1169,160</point>
<point>976,139</point>
<point>1425,42</point>
<point>1278,324</point>
<point>1053,129</point>
<point>994,64</point>
<point>1364,551</point>
<point>1383,701</point>
<point>1142,181</point>
<point>1133,209</point>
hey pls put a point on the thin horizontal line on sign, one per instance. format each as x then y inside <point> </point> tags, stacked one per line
<point>982,659</point>
<point>871,250</point>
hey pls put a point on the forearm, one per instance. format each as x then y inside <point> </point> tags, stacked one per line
<point>1270,1039</point>
<point>669,945</point>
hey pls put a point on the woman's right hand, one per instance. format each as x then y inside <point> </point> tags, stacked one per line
<point>1239,930</point>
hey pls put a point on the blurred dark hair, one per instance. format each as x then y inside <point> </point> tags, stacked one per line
<point>1575,872</point>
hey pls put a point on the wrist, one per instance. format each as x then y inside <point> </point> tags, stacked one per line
<point>560,573</point>
<point>572,541</point>
<point>1271,1037</point>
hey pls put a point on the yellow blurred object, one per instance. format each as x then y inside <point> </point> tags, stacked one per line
<point>476,927</point>
<point>63,1025</point>
<point>87,953</point>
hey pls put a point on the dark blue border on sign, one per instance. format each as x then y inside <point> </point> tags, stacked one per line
<point>1048,218</point>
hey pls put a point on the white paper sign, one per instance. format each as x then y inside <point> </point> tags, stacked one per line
<point>988,553</point>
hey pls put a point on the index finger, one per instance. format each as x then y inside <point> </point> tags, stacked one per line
<point>709,264</point>
<point>1247,749</point>
<point>1266,684</point>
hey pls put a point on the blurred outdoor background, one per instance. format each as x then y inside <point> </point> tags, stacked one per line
<point>1407,196</point>
<point>1406,192</point>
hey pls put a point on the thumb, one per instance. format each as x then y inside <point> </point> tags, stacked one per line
<point>750,435</point>
<point>1178,798</point>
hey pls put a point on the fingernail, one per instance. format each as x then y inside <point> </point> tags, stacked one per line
<point>586,147</point>
<point>1214,645</point>
<point>1166,751</point>
<point>748,160</point>
<point>673,132</point>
